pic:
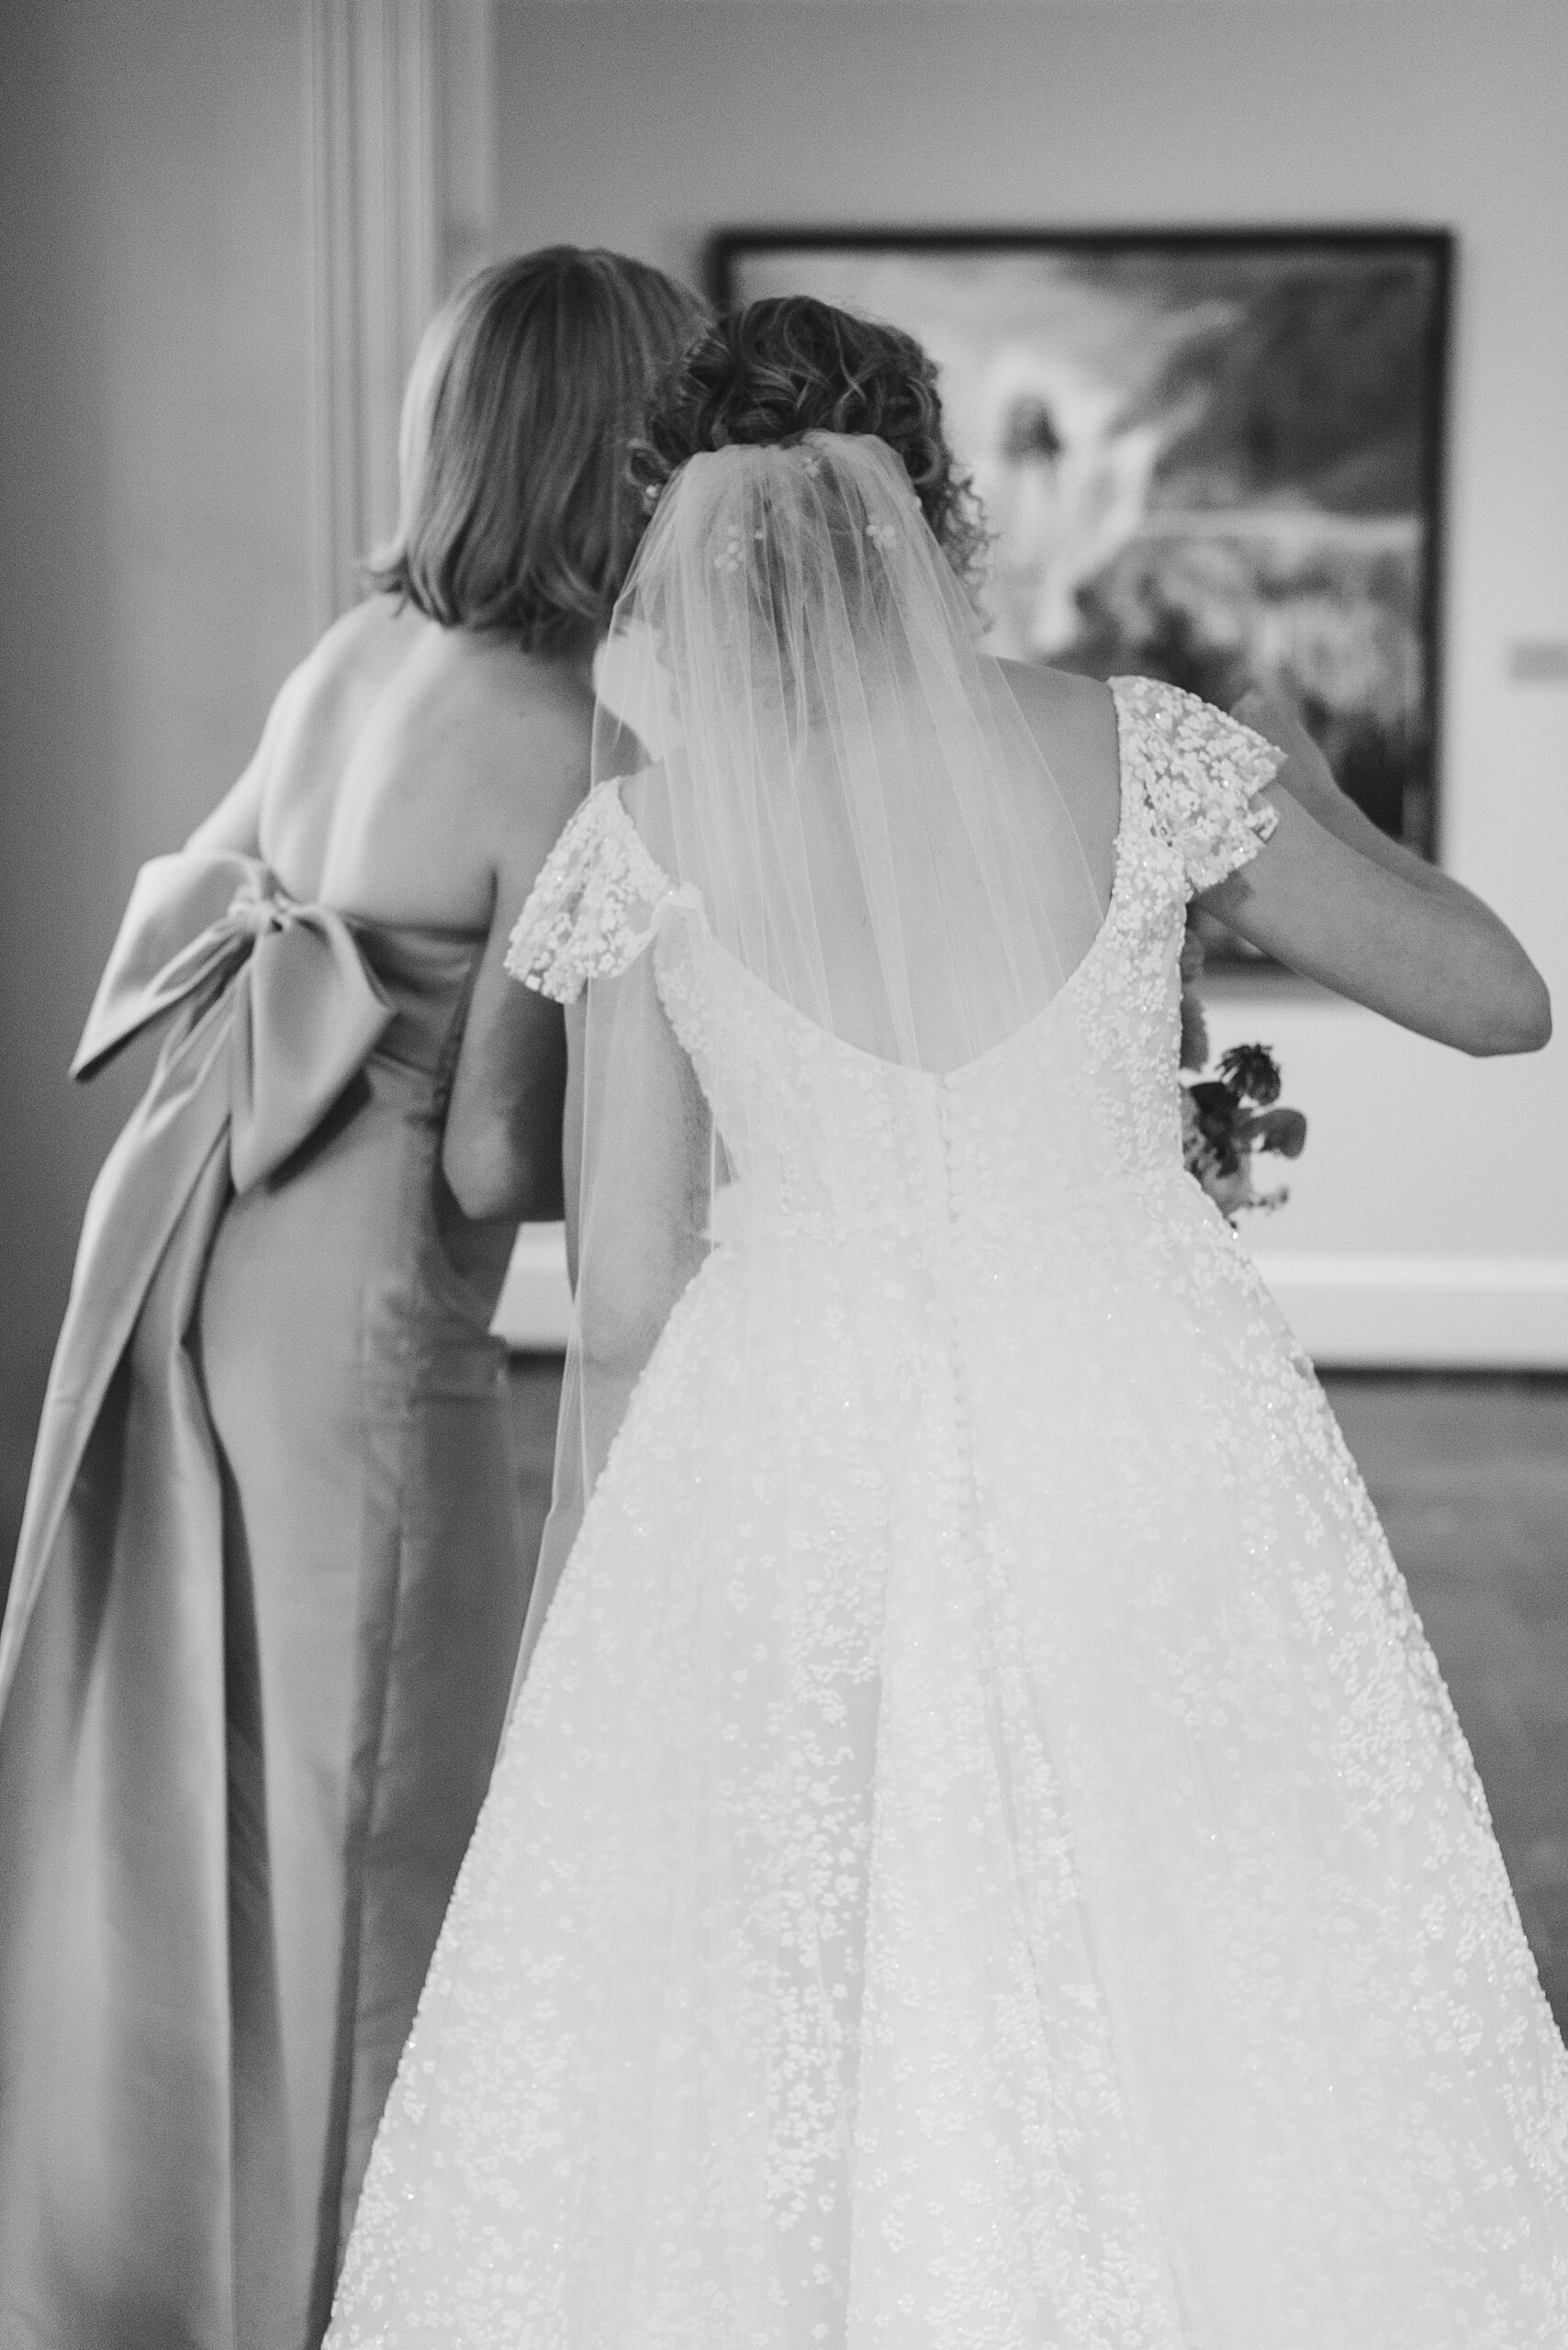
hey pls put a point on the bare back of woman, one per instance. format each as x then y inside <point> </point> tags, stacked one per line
<point>407,761</point>
<point>415,776</point>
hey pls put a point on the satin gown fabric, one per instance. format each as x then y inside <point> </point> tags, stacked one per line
<point>257,1652</point>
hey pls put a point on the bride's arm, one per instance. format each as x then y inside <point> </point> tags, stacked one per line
<point>501,1144</point>
<point>1309,779</point>
<point>638,1165</point>
<point>1375,923</point>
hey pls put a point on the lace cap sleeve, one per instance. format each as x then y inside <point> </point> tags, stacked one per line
<point>595,905</point>
<point>1200,772</point>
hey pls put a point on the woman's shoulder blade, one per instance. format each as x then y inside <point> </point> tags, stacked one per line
<point>424,767</point>
<point>502,745</point>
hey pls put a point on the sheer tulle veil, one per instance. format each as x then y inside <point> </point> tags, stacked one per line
<point>983,1854</point>
<point>849,806</point>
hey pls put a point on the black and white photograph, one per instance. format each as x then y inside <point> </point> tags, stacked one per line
<point>784,1348</point>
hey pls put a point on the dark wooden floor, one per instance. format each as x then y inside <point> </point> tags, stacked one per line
<point>1470,1474</point>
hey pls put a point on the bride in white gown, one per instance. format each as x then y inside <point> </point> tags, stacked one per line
<point>983,1858</point>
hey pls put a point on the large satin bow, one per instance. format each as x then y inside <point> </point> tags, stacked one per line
<point>282,1012</point>
<point>302,1009</point>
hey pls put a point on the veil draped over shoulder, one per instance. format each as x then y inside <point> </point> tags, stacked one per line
<point>833,788</point>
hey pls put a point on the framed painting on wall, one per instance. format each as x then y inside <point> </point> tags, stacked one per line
<point>1210,456</point>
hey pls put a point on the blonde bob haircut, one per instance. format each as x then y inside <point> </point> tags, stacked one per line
<point>518,512</point>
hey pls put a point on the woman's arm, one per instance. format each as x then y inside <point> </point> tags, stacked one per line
<point>1309,779</point>
<point>639,1159</point>
<point>501,1149</point>
<point>236,821</point>
<point>636,1234</point>
<point>1379,925</point>
<point>527,769</point>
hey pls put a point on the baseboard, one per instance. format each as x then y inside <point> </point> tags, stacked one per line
<point>534,1311</point>
<point>1502,1313</point>
<point>1486,1312</point>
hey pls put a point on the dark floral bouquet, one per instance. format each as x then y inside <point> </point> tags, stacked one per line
<point>1228,1118</point>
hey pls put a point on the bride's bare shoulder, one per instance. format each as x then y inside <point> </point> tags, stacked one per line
<point>1059,698</point>
<point>1073,721</point>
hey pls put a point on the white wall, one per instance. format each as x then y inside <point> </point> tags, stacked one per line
<point>638,126</point>
<point>155,451</point>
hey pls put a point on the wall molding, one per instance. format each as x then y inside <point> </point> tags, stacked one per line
<point>1402,1312</point>
<point>534,1314</point>
<point>376,109</point>
<point>1486,1312</point>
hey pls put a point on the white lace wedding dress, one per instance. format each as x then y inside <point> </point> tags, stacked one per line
<point>983,1859</point>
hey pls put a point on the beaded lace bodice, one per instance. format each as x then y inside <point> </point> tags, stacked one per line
<point>1081,1099</point>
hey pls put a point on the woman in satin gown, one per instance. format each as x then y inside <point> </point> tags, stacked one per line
<point>274,1562</point>
<point>982,1858</point>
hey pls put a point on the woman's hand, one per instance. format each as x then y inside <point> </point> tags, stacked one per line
<point>1306,774</point>
<point>1306,777</point>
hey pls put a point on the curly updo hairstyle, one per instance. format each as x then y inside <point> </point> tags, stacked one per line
<point>764,375</point>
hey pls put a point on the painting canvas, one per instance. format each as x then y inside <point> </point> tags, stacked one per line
<point>1213,458</point>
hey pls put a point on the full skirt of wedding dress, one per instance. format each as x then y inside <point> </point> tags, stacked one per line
<point>983,1860</point>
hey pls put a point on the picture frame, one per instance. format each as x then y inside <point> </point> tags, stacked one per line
<point>1211,455</point>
